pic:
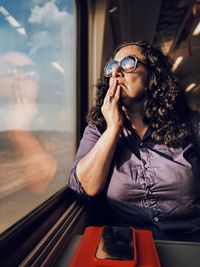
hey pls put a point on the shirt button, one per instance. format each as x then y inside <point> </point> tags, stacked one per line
<point>146,166</point>
<point>155,219</point>
<point>148,192</point>
<point>141,144</point>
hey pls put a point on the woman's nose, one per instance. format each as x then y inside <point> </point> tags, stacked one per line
<point>117,72</point>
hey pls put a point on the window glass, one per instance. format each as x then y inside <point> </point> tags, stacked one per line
<point>37,102</point>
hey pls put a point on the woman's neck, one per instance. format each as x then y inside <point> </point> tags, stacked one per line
<point>135,117</point>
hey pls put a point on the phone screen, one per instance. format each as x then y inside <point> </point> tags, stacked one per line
<point>116,243</point>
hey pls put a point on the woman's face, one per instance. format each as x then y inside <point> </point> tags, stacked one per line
<point>132,83</point>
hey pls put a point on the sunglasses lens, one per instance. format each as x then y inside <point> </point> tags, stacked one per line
<point>110,67</point>
<point>128,64</point>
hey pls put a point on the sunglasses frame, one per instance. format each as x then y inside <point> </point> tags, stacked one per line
<point>119,63</point>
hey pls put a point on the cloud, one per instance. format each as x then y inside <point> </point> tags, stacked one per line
<point>48,15</point>
<point>40,40</point>
<point>52,25</point>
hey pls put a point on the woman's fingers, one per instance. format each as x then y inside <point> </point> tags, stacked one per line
<point>111,108</point>
<point>113,93</point>
<point>117,93</point>
<point>112,89</point>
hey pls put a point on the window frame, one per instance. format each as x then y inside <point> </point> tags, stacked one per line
<point>21,239</point>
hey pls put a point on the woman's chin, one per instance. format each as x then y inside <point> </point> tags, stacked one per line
<point>129,102</point>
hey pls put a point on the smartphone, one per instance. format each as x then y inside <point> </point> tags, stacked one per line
<point>116,243</point>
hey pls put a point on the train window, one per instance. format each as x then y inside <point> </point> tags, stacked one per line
<point>38,103</point>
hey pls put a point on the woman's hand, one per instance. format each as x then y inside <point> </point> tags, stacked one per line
<point>93,169</point>
<point>111,108</point>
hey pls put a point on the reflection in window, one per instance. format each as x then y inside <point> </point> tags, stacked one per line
<point>38,106</point>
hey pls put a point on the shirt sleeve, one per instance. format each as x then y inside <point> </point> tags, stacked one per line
<point>89,139</point>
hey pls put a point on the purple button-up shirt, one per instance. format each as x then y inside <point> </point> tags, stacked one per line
<point>150,185</point>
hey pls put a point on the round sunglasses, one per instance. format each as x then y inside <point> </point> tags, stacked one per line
<point>127,64</point>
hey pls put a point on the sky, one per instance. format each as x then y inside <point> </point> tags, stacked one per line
<point>41,37</point>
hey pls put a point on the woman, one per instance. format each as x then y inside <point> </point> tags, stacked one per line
<point>139,154</point>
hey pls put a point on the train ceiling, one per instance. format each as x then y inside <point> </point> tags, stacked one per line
<point>167,24</point>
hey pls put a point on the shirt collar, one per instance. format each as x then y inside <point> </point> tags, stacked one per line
<point>130,131</point>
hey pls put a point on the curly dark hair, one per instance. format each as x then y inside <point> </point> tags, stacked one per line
<point>165,107</point>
